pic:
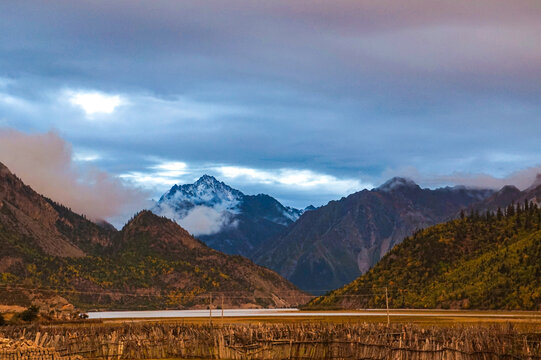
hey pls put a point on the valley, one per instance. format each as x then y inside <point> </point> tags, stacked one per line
<point>270,180</point>
<point>153,263</point>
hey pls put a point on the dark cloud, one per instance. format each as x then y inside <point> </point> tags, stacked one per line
<point>347,47</point>
<point>348,88</point>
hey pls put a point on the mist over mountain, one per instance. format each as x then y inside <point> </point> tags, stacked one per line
<point>225,218</point>
<point>510,195</point>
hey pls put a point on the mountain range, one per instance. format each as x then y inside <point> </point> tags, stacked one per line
<point>153,262</point>
<point>510,194</point>
<point>47,249</point>
<point>332,245</point>
<point>320,249</point>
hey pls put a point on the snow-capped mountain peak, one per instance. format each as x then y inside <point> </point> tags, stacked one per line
<point>207,190</point>
<point>225,218</point>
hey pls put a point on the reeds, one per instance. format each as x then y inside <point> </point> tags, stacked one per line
<point>283,341</point>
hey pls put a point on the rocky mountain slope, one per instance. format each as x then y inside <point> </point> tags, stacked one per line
<point>332,245</point>
<point>151,262</point>
<point>225,218</point>
<point>488,261</point>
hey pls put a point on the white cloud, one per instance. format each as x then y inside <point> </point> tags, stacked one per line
<point>95,102</point>
<point>171,169</point>
<point>200,220</point>
<point>300,179</point>
<point>273,181</point>
<point>85,156</point>
<point>165,173</point>
<point>204,220</point>
<point>148,180</point>
<point>10,100</point>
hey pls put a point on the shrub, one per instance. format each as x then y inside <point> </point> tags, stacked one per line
<point>30,314</point>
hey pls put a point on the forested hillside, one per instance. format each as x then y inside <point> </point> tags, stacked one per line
<point>47,250</point>
<point>488,261</point>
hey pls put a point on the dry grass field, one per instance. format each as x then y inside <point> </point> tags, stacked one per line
<point>326,337</point>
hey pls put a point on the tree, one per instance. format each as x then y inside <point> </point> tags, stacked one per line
<point>30,314</point>
<point>527,221</point>
<point>499,214</point>
<point>518,222</point>
<point>510,210</point>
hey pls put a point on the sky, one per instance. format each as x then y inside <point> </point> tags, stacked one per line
<point>305,100</point>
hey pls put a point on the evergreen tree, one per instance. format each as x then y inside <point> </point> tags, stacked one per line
<point>510,210</point>
<point>527,222</point>
<point>499,214</point>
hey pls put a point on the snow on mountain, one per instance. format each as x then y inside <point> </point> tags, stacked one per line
<point>206,191</point>
<point>203,208</point>
<point>223,217</point>
<point>292,213</point>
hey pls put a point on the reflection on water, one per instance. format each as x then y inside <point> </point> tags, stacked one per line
<point>188,313</point>
<point>215,313</point>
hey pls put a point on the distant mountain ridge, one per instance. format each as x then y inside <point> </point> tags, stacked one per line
<point>151,263</point>
<point>510,194</point>
<point>332,245</point>
<point>225,218</point>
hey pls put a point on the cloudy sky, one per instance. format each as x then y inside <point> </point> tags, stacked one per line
<point>306,100</point>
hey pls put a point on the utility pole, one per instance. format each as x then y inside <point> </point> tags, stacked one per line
<point>210,309</point>
<point>387,302</point>
<point>222,308</point>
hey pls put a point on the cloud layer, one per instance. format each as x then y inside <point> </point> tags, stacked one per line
<point>522,179</point>
<point>348,90</point>
<point>44,161</point>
